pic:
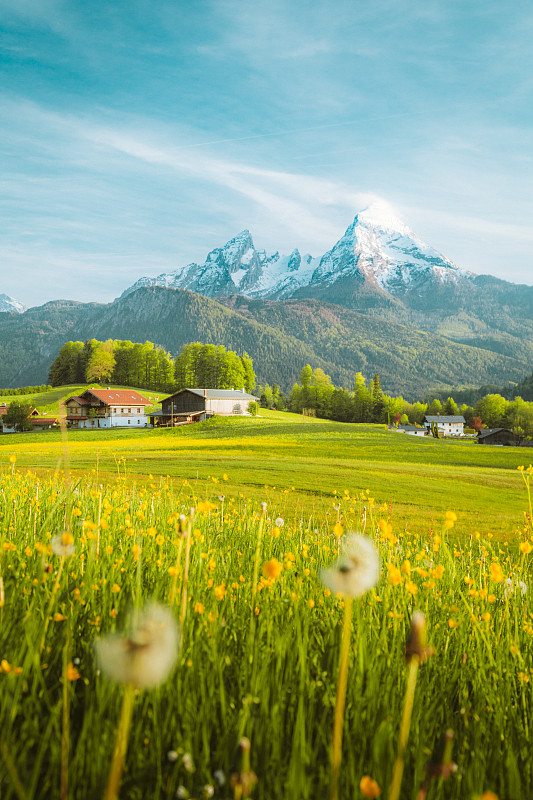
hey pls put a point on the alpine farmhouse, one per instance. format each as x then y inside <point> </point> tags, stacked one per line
<point>107,408</point>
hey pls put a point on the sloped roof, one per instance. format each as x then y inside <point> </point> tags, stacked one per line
<point>81,400</point>
<point>219,394</point>
<point>118,397</point>
<point>490,431</point>
<point>443,418</point>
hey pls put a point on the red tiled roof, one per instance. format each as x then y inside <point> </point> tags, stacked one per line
<point>3,409</point>
<point>117,397</point>
<point>46,420</point>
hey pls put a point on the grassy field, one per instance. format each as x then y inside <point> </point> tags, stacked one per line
<point>94,528</point>
<point>303,465</point>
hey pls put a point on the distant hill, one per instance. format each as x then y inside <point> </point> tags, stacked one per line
<point>281,336</point>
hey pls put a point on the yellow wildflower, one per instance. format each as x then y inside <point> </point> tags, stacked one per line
<point>369,787</point>
<point>272,568</point>
<point>220,591</point>
<point>72,673</point>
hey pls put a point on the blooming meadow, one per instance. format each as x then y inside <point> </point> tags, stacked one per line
<point>158,643</point>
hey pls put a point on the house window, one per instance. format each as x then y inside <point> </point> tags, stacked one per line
<point>138,411</point>
<point>129,421</point>
<point>121,410</point>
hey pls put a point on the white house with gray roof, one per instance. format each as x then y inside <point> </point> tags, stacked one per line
<point>446,425</point>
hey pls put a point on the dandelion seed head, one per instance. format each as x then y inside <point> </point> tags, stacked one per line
<point>279,522</point>
<point>145,657</point>
<point>63,544</point>
<point>188,763</point>
<point>357,570</point>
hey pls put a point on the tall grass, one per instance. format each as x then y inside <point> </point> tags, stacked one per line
<point>276,687</point>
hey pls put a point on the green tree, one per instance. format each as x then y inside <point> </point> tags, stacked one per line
<point>491,409</point>
<point>249,374</point>
<point>67,367</point>
<point>305,376</point>
<point>434,408</point>
<point>450,408</point>
<point>377,403</point>
<point>361,400</point>
<point>101,362</point>
<point>17,416</point>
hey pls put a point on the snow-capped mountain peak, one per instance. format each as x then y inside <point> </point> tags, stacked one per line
<point>380,215</point>
<point>377,249</point>
<point>8,303</point>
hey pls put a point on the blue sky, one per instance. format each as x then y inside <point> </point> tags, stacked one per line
<point>135,137</point>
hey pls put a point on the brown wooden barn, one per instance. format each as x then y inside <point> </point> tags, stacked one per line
<point>195,405</point>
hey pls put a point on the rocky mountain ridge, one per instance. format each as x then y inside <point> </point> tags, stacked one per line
<point>377,250</point>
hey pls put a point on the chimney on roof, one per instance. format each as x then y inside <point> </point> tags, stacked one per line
<point>205,392</point>
<point>242,390</point>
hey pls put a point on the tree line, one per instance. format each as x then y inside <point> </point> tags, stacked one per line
<point>25,390</point>
<point>315,394</point>
<point>149,366</point>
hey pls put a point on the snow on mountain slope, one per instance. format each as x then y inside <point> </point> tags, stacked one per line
<point>377,248</point>
<point>8,303</point>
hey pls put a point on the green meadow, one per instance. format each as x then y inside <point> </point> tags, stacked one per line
<point>314,460</point>
<point>228,526</point>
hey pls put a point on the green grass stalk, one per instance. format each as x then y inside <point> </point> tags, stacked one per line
<point>405,725</point>
<point>121,744</point>
<point>342,683</point>
<point>257,559</point>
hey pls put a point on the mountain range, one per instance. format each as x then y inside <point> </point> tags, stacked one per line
<point>380,300</point>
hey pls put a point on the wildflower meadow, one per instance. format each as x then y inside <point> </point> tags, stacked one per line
<point>165,641</point>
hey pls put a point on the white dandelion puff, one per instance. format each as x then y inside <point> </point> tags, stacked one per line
<point>145,657</point>
<point>511,587</point>
<point>63,545</point>
<point>357,569</point>
<point>278,522</point>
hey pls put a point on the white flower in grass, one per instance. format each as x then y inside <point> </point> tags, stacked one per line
<point>512,587</point>
<point>357,569</point>
<point>63,544</point>
<point>279,523</point>
<point>145,657</point>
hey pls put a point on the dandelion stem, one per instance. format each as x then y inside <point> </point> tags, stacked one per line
<point>340,700</point>
<point>256,568</point>
<point>177,568</point>
<point>51,603</point>
<point>397,774</point>
<point>65,728</point>
<point>185,575</point>
<point>121,744</point>
<point>19,789</point>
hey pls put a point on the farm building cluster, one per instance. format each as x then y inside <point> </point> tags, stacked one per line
<point>454,426</point>
<point>126,408</point>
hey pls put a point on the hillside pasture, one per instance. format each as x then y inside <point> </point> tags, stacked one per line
<point>303,464</point>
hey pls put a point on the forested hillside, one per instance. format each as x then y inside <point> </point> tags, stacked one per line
<point>280,337</point>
